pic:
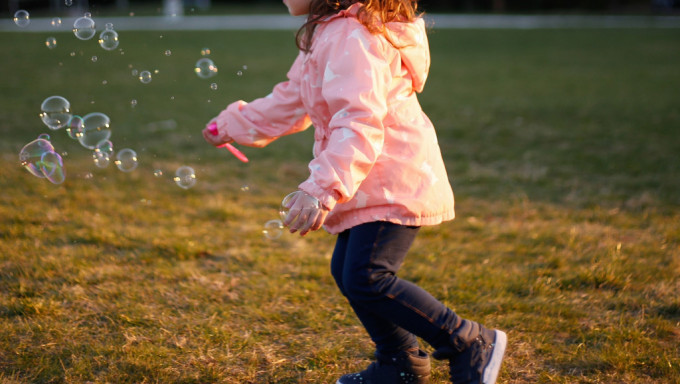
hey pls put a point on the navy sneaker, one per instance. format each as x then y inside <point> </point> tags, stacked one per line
<point>479,360</point>
<point>404,368</point>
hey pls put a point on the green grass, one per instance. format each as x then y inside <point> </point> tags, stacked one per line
<point>562,147</point>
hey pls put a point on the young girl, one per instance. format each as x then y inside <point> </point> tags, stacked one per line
<point>376,177</point>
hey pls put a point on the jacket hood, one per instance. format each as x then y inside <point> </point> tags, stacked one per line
<point>410,38</point>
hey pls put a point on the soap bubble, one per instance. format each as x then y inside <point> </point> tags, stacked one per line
<point>96,128</point>
<point>102,153</point>
<point>273,229</point>
<point>213,86</point>
<point>101,159</point>
<point>205,68</point>
<point>52,167</point>
<point>108,39</point>
<point>41,160</point>
<point>104,146</point>
<point>168,52</point>
<point>74,128</point>
<point>32,152</point>
<point>283,209</point>
<point>51,42</point>
<point>68,3</point>
<point>56,112</point>
<point>145,77</point>
<point>185,177</point>
<point>84,27</point>
<point>126,160</point>
<point>22,18</point>
<point>205,52</point>
<point>55,22</point>
<point>158,173</point>
<point>308,202</point>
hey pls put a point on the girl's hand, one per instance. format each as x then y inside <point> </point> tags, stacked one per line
<point>305,213</point>
<point>213,137</point>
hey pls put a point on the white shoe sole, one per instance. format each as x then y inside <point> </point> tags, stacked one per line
<point>494,366</point>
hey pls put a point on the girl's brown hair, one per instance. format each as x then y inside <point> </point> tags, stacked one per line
<point>374,15</point>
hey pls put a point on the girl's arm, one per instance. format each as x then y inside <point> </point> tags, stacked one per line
<point>263,120</point>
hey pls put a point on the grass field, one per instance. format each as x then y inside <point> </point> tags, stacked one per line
<point>563,148</point>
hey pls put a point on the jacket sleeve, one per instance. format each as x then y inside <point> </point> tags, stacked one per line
<point>355,82</point>
<point>263,120</point>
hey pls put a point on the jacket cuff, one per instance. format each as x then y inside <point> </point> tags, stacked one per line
<point>326,198</point>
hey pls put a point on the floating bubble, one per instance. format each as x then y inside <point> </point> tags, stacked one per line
<point>133,103</point>
<point>205,68</point>
<point>239,73</point>
<point>41,160</point>
<point>126,160</point>
<point>68,3</point>
<point>96,128</point>
<point>104,146</point>
<point>55,22</point>
<point>32,152</point>
<point>158,173</point>
<point>145,77</point>
<point>168,53</point>
<point>185,177</point>
<point>245,188</point>
<point>74,129</point>
<point>52,166</point>
<point>108,39</point>
<point>84,27</point>
<point>102,154</point>
<point>213,86</point>
<point>22,18</point>
<point>56,112</point>
<point>51,42</point>
<point>101,160</point>
<point>308,203</point>
<point>284,209</point>
<point>273,229</point>
<point>94,59</point>
<point>205,52</point>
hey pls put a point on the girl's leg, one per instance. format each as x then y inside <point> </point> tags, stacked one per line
<point>373,253</point>
<point>391,309</point>
<point>389,338</point>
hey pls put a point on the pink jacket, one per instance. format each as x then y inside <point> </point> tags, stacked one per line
<point>376,156</point>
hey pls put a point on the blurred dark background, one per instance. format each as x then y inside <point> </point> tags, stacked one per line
<point>451,6</point>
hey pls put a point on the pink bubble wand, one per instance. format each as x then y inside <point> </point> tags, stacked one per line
<point>212,128</point>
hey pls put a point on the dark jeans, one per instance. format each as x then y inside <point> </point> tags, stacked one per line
<point>393,311</point>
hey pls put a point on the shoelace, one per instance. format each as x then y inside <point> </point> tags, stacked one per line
<point>478,354</point>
